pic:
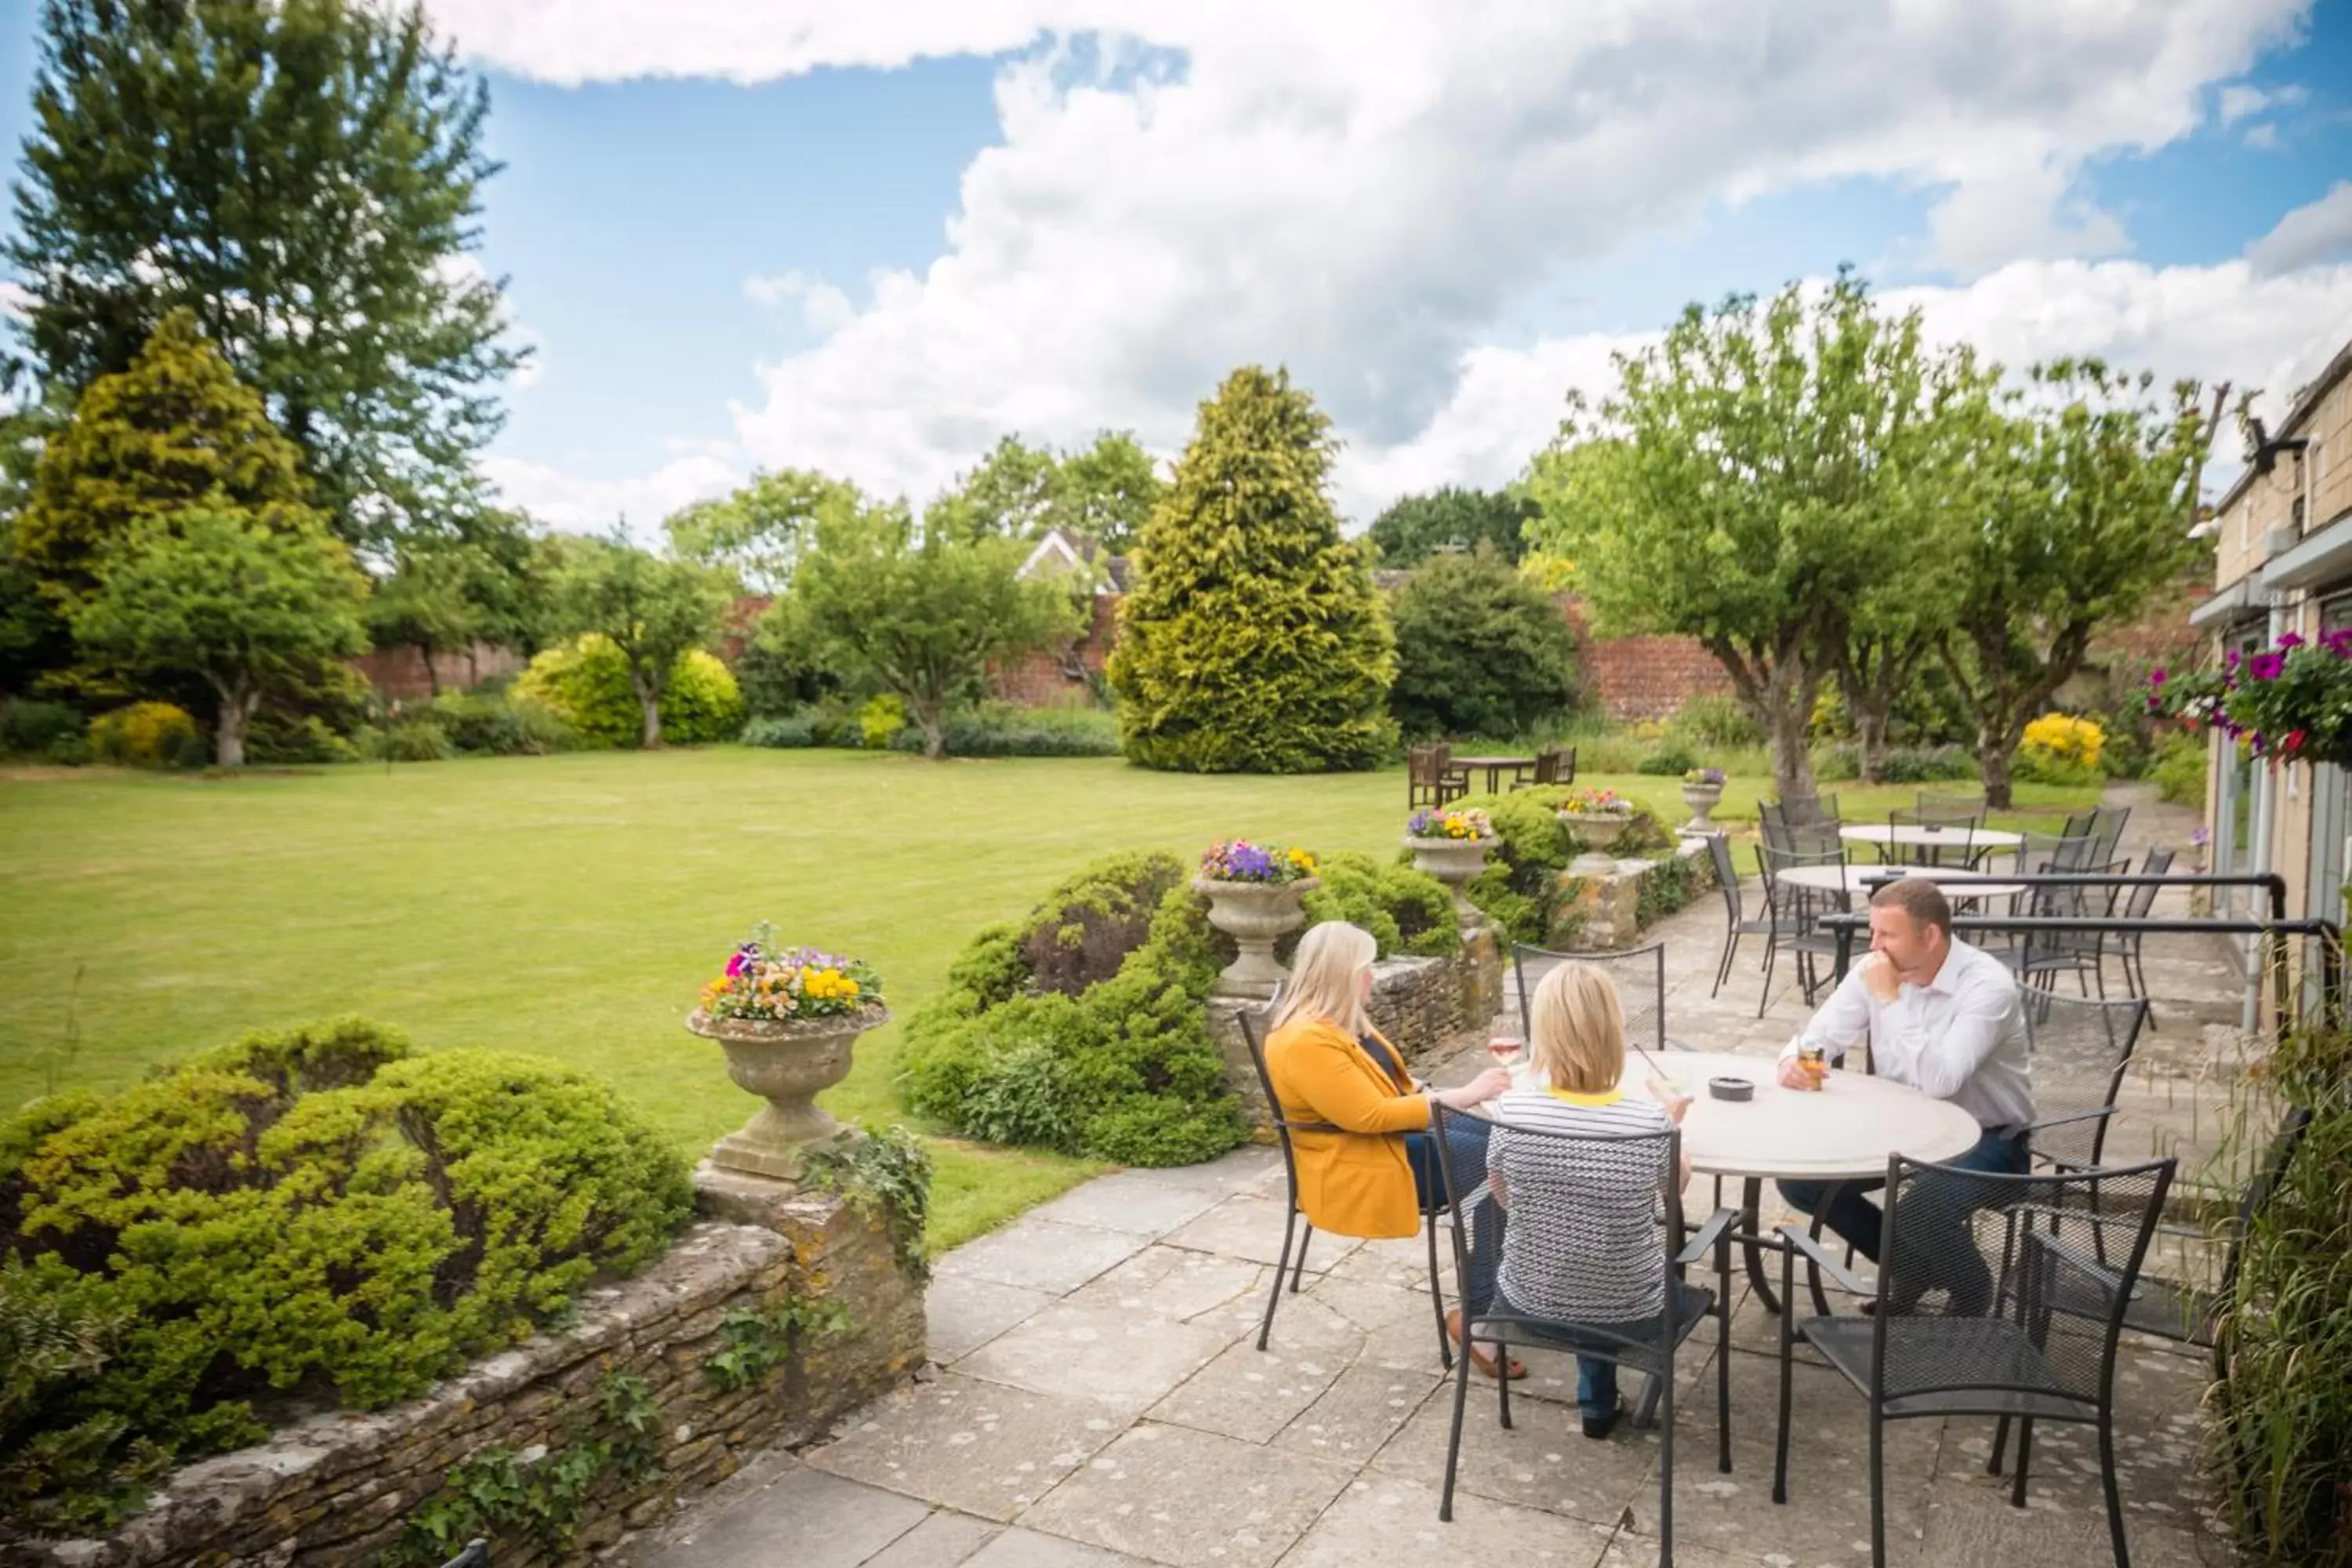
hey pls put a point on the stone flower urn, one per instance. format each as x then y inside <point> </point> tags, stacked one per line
<point>1256,915</point>
<point>1701,798</point>
<point>1456,862</point>
<point>787,1064</point>
<point>1599,829</point>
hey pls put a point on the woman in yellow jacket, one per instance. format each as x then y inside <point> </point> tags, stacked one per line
<point>1374,1178</point>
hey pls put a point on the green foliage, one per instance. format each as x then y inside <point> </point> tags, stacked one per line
<point>2179,768</point>
<point>1480,650</point>
<point>886,1174</point>
<point>317,1209</point>
<point>494,724</point>
<point>920,617</point>
<point>305,182</point>
<point>1415,528</point>
<point>146,735</point>
<point>2284,1410</point>
<point>1254,641</point>
<point>1120,1068</point>
<point>999,730</point>
<point>449,588</point>
<point>586,684</point>
<point>1718,722</point>
<point>1520,887</point>
<point>44,731</point>
<point>1669,885</point>
<point>1756,481</point>
<point>880,721</point>
<point>1102,494</point>
<point>1407,912</point>
<point>656,614</point>
<point>759,533</point>
<point>782,731</point>
<point>1670,761</point>
<point>495,1492</point>
<point>755,1344</point>
<point>172,430</point>
<point>218,592</point>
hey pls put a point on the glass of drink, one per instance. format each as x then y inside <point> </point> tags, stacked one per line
<point>1505,1046</point>
<point>1815,1061</point>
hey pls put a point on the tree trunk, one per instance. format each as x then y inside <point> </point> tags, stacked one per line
<point>1787,709</point>
<point>1994,749</point>
<point>1870,735</point>
<point>649,699</point>
<point>432,676</point>
<point>228,731</point>
<point>930,715</point>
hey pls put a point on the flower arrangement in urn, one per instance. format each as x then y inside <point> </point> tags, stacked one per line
<point>1254,892</point>
<point>1451,846</point>
<point>1596,803</point>
<point>1596,816</point>
<point>1701,792</point>
<point>786,1018</point>
<point>2290,703</point>
<point>1462,824</point>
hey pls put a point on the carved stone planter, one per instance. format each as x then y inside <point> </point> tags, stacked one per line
<point>1256,915</point>
<point>1701,798</point>
<point>1599,829</point>
<point>787,1064</point>
<point>1456,862</point>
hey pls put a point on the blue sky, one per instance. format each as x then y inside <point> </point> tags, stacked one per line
<point>1439,239</point>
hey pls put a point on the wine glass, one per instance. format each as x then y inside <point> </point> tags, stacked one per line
<point>1505,1046</point>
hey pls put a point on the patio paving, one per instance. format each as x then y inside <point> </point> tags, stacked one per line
<point>1096,1396</point>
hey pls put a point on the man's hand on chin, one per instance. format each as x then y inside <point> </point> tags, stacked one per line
<point>1878,977</point>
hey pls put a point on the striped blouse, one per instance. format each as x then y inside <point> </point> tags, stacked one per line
<point>1582,1243</point>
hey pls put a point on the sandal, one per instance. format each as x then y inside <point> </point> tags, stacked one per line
<point>1480,1357</point>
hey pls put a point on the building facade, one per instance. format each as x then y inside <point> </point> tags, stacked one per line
<point>2283,550</point>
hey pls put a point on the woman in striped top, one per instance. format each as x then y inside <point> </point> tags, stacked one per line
<point>1582,1243</point>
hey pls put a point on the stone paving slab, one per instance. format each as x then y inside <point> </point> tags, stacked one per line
<point>1179,1283</point>
<point>1122,1361</point>
<point>1145,1201</point>
<point>1249,1225</point>
<point>836,1523</point>
<point>1183,1498</point>
<point>943,1540</point>
<point>981,1448</point>
<point>1393,1519</point>
<point>964,1311</point>
<point>1041,1254</point>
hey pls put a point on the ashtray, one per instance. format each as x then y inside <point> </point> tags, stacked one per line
<point>1730,1089</point>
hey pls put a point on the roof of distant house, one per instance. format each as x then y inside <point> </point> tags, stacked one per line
<point>1061,552</point>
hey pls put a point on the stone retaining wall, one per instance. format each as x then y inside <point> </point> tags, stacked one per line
<point>332,1490</point>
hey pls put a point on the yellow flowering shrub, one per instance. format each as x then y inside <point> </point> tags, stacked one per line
<point>143,735</point>
<point>2064,738</point>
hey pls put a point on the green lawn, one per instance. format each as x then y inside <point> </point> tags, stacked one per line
<point>571,905</point>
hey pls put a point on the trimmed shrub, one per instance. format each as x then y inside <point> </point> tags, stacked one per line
<point>485,724</point>
<point>1928,764</point>
<point>1253,640</point>
<point>2064,738</point>
<point>1672,761</point>
<point>1480,650</point>
<point>317,1211</point>
<point>1520,886</point>
<point>1001,730</point>
<point>1119,1066</point>
<point>46,731</point>
<point>881,720</point>
<point>272,736</point>
<point>1406,910</point>
<point>784,732</point>
<point>2178,769</point>
<point>147,735</point>
<point>417,738</point>
<point>586,683</point>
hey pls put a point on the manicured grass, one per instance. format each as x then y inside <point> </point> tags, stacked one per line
<point>571,905</point>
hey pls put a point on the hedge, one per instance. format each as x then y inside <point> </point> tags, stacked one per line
<point>317,1212</point>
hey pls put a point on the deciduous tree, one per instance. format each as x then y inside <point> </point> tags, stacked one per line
<point>652,609</point>
<point>1415,527</point>
<point>759,532</point>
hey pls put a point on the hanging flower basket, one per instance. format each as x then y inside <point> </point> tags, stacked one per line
<point>2292,703</point>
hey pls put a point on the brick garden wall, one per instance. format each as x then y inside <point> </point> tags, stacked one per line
<point>400,675</point>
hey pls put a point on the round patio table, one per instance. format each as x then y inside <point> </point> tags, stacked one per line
<point>1493,768</point>
<point>1929,836</point>
<point>1859,881</point>
<point>1844,1131</point>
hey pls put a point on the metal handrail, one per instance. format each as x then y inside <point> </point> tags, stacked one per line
<point>2269,881</point>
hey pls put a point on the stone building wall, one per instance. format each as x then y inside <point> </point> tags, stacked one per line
<point>332,1491</point>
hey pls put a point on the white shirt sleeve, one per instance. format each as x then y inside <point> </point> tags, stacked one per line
<point>1843,1021</point>
<point>1946,1054</point>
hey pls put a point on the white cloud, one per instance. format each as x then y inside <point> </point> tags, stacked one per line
<point>2265,135</point>
<point>2240,101</point>
<point>825,308</point>
<point>1363,193</point>
<point>562,500</point>
<point>2316,232</point>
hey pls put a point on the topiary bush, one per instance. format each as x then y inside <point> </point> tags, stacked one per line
<point>1407,912</point>
<point>1116,1063</point>
<point>1480,649</point>
<point>586,683</point>
<point>147,735</point>
<point>316,1213</point>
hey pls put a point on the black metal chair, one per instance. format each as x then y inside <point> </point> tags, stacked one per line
<point>2081,1052</point>
<point>1795,915</point>
<point>2047,955</point>
<point>2106,830</point>
<point>1530,1189</point>
<point>1957,829</point>
<point>1641,977</point>
<point>2136,906</point>
<point>1964,1320</point>
<point>1253,1032</point>
<point>1737,923</point>
<point>1809,810</point>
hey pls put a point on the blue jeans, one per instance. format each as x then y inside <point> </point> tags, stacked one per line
<point>1466,1143</point>
<point>1938,1249</point>
<point>1596,1380</point>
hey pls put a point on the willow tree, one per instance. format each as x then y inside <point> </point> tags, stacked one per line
<point>1254,641</point>
<point>1749,483</point>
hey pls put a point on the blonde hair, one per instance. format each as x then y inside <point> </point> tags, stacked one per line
<point>1327,977</point>
<point>1579,1026</point>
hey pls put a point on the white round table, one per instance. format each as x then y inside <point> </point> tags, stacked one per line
<point>1928,835</point>
<point>1859,881</point>
<point>1843,1132</point>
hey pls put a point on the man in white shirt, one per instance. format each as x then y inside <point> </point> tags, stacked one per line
<point>1946,1018</point>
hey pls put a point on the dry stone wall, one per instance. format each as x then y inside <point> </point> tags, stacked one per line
<point>333,1490</point>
